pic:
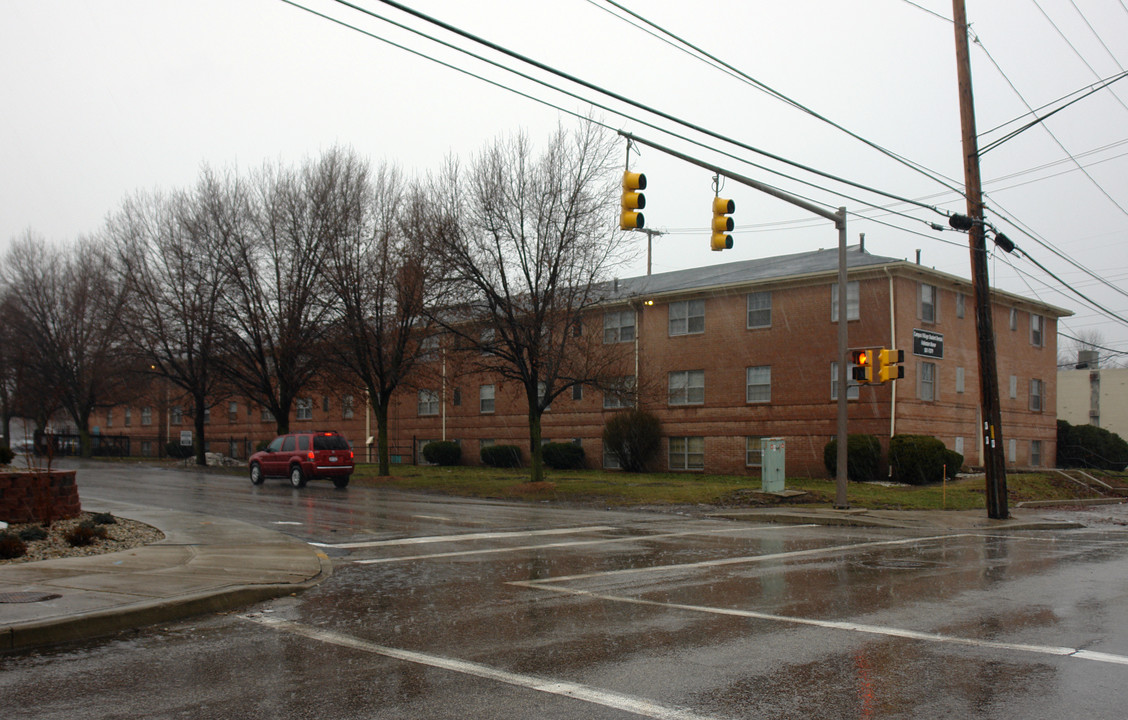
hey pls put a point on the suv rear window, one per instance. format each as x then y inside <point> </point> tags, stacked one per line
<point>329,442</point>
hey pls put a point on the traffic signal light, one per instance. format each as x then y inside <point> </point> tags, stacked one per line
<point>629,218</point>
<point>862,372</point>
<point>888,365</point>
<point>722,224</point>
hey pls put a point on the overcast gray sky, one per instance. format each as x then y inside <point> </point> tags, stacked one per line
<point>105,98</point>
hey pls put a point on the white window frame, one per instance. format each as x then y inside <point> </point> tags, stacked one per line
<point>755,379</point>
<point>853,301</point>
<point>1037,395</point>
<point>926,387</point>
<point>128,416</point>
<point>686,453</point>
<point>618,326</point>
<point>686,387</point>
<point>428,403</point>
<point>1035,453</point>
<point>758,306</point>
<point>147,415</point>
<point>619,399</point>
<point>754,451</point>
<point>1037,330</point>
<point>852,385</point>
<point>304,408</point>
<point>929,304</point>
<point>686,317</point>
<point>487,396</point>
<point>348,407</point>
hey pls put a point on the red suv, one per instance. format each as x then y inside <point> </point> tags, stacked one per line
<point>303,456</point>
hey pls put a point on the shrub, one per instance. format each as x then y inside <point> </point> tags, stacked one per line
<point>442,452</point>
<point>11,546</point>
<point>863,457</point>
<point>502,456</point>
<point>1090,447</point>
<point>919,459</point>
<point>634,437</point>
<point>86,534</point>
<point>563,456</point>
<point>33,532</point>
<point>6,455</point>
<point>953,463</point>
<point>103,519</point>
<point>175,450</point>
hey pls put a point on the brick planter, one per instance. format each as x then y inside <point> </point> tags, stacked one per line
<point>38,496</point>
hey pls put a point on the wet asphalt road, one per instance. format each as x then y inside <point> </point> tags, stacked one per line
<point>446,608</point>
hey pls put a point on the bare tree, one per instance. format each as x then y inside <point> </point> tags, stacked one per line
<point>274,234</point>
<point>69,313</point>
<point>380,272</point>
<point>165,249</point>
<point>534,241</point>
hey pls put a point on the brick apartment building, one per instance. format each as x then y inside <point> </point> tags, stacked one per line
<point>728,355</point>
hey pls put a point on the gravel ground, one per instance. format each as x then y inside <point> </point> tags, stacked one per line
<point>122,534</point>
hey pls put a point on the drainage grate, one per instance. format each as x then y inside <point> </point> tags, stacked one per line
<point>26,597</point>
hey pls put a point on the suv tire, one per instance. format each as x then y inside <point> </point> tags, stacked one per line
<point>297,477</point>
<point>256,474</point>
<point>341,482</point>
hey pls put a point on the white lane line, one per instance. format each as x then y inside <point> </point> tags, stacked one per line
<point>545,546</point>
<point>466,536</point>
<point>576,691</point>
<point>746,559</point>
<point>844,625</point>
<point>431,517</point>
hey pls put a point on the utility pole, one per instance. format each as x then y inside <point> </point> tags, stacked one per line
<point>649,242</point>
<point>994,459</point>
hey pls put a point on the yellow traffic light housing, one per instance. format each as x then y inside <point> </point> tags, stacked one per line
<point>888,365</point>
<point>862,360</point>
<point>633,201</point>
<point>722,224</point>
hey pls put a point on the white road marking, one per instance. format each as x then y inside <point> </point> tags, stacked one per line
<point>440,518</point>
<point>844,625</point>
<point>467,536</point>
<point>286,522</point>
<point>576,691</point>
<point>545,546</point>
<point>746,558</point>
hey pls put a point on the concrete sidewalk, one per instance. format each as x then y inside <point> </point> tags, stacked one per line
<point>204,564</point>
<point>930,520</point>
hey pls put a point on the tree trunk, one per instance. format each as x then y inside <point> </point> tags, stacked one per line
<point>536,456</point>
<point>201,457</point>
<point>382,437</point>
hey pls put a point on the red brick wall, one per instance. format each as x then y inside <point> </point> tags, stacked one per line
<point>38,496</point>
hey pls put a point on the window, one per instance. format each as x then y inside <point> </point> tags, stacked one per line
<point>487,340</point>
<point>303,443</point>
<point>267,415</point>
<point>851,384</point>
<point>176,415</point>
<point>620,395</point>
<point>305,408</point>
<point>1013,387</point>
<point>486,399</point>
<point>610,459</point>
<point>959,379</point>
<point>1036,453</point>
<point>753,451</point>
<point>577,392</point>
<point>325,403</point>
<point>1012,450</point>
<point>759,384</point>
<point>207,416</point>
<point>851,301</point>
<point>687,317</point>
<point>1013,319</point>
<point>348,406</point>
<point>128,416</point>
<point>146,415</point>
<point>288,443</point>
<point>1036,327</point>
<point>927,387</point>
<point>1036,391</point>
<point>428,348</point>
<point>759,310</point>
<point>928,303</point>
<point>687,453</point>
<point>618,326</point>
<point>456,397</point>
<point>687,387</point>
<point>961,301</point>
<point>232,411</point>
<point>542,391</point>
<point>428,402</point>
<point>110,418</point>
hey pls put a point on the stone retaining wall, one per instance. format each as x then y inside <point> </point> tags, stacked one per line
<point>31,496</point>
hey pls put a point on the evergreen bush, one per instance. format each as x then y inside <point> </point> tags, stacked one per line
<point>563,456</point>
<point>6,455</point>
<point>442,452</point>
<point>1088,446</point>
<point>502,456</point>
<point>11,546</point>
<point>919,459</point>
<point>863,457</point>
<point>174,449</point>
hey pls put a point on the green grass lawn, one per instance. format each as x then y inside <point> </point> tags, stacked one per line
<point>625,489</point>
